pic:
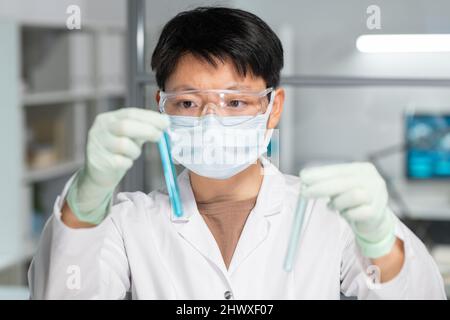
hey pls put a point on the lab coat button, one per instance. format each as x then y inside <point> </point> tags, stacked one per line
<point>228,295</point>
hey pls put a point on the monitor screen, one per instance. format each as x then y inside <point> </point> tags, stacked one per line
<point>428,146</point>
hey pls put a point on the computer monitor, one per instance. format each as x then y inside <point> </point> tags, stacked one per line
<point>428,146</point>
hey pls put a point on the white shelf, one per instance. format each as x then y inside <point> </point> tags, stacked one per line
<point>37,175</point>
<point>14,293</point>
<point>99,14</point>
<point>9,260</point>
<point>44,98</point>
<point>88,25</point>
<point>111,92</point>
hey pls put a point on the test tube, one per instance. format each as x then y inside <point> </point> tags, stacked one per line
<point>295,234</point>
<point>170,175</point>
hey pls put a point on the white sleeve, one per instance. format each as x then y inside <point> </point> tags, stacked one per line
<point>86,263</point>
<point>419,277</point>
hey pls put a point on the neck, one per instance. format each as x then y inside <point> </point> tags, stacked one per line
<point>244,185</point>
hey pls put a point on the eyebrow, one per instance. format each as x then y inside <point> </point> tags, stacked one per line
<point>182,88</point>
<point>232,86</point>
<point>239,87</point>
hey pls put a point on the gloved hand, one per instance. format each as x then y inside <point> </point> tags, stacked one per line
<point>114,142</point>
<point>359,194</point>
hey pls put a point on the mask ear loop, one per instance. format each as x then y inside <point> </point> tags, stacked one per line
<point>267,114</point>
<point>268,134</point>
<point>270,105</point>
<point>162,99</point>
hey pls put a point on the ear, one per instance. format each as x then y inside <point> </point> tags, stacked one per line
<point>157,96</point>
<point>277,109</point>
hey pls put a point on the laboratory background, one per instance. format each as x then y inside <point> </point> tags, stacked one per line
<point>350,97</point>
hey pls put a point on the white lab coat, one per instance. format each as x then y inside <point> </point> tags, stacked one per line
<point>143,249</point>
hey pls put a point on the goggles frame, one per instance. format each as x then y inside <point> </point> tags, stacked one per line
<point>221,92</point>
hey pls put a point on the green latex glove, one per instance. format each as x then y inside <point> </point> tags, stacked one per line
<point>114,142</point>
<point>359,194</point>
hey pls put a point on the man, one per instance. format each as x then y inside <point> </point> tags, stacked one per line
<point>218,71</point>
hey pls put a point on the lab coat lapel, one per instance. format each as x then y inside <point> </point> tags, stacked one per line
<point>257,226</point>
<point>254,233</point>
<point>193,228</point>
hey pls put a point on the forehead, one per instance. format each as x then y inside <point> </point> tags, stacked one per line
<point>196,73</point>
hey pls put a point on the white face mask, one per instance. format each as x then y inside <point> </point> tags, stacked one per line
<point>219,149</point>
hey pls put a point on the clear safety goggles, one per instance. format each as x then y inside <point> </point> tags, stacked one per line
<point>223,103</point>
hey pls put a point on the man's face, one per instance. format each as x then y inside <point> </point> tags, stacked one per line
<point>193,73</point>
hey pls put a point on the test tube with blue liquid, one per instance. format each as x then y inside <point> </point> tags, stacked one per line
<point>170,175</point>
<point>295,234</point>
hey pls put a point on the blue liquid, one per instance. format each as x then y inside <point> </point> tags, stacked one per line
<point>170,175</point>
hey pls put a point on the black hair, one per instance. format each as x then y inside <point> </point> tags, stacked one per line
<point>219,33</point>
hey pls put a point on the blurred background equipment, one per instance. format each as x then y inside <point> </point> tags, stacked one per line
<point>428,146</point>
<point>393,107</point>
<point>53,83</point>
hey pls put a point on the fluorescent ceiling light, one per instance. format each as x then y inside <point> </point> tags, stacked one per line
<point>391,43</point>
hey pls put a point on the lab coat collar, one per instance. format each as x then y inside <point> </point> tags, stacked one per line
<point>269,200</point>
<point>193,228</point>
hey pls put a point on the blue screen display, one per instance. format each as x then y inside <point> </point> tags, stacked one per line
<point>428,146</point>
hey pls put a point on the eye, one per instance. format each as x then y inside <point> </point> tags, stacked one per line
<point>236,103</point>
<point>186,104</point>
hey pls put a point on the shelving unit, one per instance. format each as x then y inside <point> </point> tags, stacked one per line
<point>65,78</point>
<point>39,175</point>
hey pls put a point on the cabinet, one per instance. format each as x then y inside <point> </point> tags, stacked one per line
<point>54,82</point>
